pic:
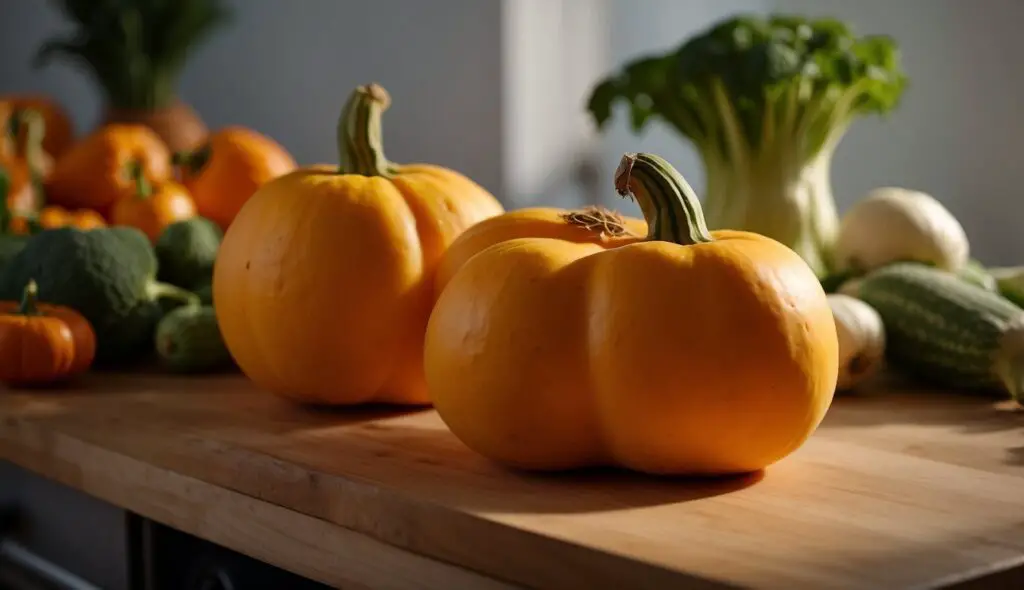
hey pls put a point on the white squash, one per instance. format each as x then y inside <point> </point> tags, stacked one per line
<point>894,224</point>
<point>861,340</point>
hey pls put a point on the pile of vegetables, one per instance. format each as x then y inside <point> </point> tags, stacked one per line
<point>765,101</point>
<point>546,338</point>
<point>88,230</point>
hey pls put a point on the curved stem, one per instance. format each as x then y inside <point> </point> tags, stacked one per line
<point>143,188</point>
<point>28,299</point>
<point>157,290</point>
<point>670,206</point>
<point>359,133</point>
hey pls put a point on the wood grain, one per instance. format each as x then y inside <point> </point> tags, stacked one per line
<point>904,489</point>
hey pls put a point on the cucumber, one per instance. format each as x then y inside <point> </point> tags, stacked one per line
<point>946,331</point>
<point>188,340</point>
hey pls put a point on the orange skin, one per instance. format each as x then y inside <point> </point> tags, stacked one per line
<point>51,217</point>
<point>324,282</point>
<point>538,222</point>
<point>59,130</point>
<point>96,172</point>
<point>718,357</point>
<point>238,162</point>
<point>169,202</point>
<point>22,198</point>
<point>48,344</point>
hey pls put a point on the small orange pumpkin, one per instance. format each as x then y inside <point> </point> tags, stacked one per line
<point>41,343</point>
<point>687,352</point>
<point>99,170</point>
<point>24,163</point>
<point>59,131</point>
<point>590,225</point>
<point>228,169</point>
<point>361,241</point>
<point>153,207</point>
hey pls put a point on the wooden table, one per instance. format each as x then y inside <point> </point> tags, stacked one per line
<point>896,490</point>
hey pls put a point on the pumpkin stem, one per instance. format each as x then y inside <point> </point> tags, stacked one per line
<point>28,299</point>
<point>192,161</point>
<point>143,188</point>
<point>670,206</point>
<point>359,133</point>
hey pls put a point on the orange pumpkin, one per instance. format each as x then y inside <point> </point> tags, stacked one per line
<point>687,352</point>
<point>590,225</point>
<point>42,343</point>
<point>59,131</point>
<point>229,168</point>
<point>24,163</point>
<point>324,281</point>
<point>153,208</point>
<point>52,216</point>
<point>98,171</point>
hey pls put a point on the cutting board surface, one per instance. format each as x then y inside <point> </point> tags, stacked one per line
<point>897,489</point>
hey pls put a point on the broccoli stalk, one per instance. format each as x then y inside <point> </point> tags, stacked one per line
<point>765,101</point>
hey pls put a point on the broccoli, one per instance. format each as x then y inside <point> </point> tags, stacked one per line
<point>765,101</point>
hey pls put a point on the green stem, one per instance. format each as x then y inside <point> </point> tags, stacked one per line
<point>359,133</point>
<point>28,299</point>
<point>143,188</point>
<point>157,290</point>
<point>193,161</point>
<point>669,205</point>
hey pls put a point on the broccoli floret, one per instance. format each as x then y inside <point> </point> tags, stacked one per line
<point>764,100</point>
<point>108,275</point>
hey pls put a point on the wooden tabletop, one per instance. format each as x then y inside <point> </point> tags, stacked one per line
<point>897,489</point>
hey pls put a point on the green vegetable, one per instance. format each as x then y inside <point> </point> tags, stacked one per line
<point>188,340</point>
<point>974,272</point>
<point>765,101</point>
<point>1010,283</point>
<point>107,275</point>
<point>947,331</point>
<point>135,49</point>
<point>187,250</point>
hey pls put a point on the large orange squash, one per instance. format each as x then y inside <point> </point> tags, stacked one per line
<point>228,168</point>
<point>590,225</point>
<point>687,352</point>
<point>324,281</point>
<point>98,171</point>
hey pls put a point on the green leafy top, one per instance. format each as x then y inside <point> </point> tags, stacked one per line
<point>136,49</point>
<point>747,81</point>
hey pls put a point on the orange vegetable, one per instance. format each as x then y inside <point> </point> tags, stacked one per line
<point>591,225</point>
<point>98,171</point>
<point>228,169</point>
<point>59,131</point>
<point>153,207</point>
<point>324,281</point>
<point>52,216</point>
<point>41,343</point>
<point>687,352</point>
<point>23,161</point>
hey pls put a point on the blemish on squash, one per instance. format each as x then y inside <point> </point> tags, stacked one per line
<point>600,220</point>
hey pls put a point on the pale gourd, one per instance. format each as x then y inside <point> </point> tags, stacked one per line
<point>894,224</point>
<point>861,340</point>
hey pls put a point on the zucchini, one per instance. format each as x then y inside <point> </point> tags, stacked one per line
<point>946,331</point>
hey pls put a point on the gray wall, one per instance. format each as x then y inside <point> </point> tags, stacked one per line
<point>285,68</point>
<point>495,89</point>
